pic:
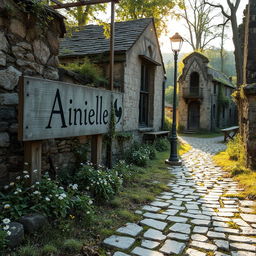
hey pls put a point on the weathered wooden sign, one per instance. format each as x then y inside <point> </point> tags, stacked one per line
<point>52,109</point>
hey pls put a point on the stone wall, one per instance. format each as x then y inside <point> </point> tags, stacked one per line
<point>246,96</point>
<point>29,45</point>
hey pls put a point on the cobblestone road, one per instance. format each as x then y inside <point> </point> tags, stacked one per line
<point>194,218</point>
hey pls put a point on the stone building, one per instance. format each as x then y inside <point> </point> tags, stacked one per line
<point>138,70</point>
<point>246,95</point>
<point>205,101</point>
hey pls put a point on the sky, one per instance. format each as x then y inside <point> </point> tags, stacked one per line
<point>178,26</point>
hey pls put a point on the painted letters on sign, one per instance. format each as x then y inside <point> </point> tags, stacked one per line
<point>54,109</point>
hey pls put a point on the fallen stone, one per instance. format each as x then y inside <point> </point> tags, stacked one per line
<point>171,246</point>
<point>154,234</point>
<point>17,234</point>
<point>120,242</point>
<point>33,222</point>
<point>145,252</point>
<point>130,229</point>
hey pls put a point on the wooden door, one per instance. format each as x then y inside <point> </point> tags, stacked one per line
<point>194,116</point>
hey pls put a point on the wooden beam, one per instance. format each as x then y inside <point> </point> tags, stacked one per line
<point>83,2</point>
<point>96,149</point>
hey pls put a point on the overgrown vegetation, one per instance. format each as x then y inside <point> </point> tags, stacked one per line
<point>233,160</point>
<point>100,201</point>
<point>89,70</point>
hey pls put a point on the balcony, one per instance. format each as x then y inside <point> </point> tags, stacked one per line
<point>193,93</point>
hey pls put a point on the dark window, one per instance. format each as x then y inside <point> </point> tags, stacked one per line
<point>194,83</point>
<point>223,112</point>
<point>215,88</point>
<point>214,111</point>
<point>144,96</point>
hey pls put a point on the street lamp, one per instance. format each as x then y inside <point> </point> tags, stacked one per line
<point>176,44</point>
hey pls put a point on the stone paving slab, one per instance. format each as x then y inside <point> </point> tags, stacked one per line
<point>194,217</point>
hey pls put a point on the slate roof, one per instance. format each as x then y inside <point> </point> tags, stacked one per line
<point>220,77</point>
<point>91,40</point>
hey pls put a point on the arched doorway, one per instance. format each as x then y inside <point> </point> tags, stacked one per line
<point>193,116</point>
<point>194,83</point>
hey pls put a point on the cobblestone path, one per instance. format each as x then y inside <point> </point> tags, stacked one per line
<point>194,218</point>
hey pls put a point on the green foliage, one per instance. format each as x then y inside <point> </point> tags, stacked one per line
<point>222,99</point>
<point>49,250</point>
<point>3,241</point>
<point>167,123</point>
<point>126,171</point>
<point>28,250</point>
<point>88,69</point>
<point>169,94</point>
<point>101,183</point>
<point>236,150</point>
<point>81,153</point>
<point>72,246</point>
<point>139,154</point>
<point>159,9</point>
<point>161,144</point>
<point>47,197</point>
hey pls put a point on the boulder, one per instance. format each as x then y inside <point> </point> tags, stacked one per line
<point>17,28</point>
<point>2,58</point>
<point>17,234</point>
<point>9,78</point>
<point>3,42</point>
<point>33,222</point>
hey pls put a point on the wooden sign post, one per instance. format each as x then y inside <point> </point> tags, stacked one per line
<point>51,109</point>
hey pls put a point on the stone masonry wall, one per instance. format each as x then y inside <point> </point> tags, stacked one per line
<point>29,45</point>
<point>247,95</point>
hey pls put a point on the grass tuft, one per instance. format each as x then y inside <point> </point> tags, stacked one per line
<point>72,246</point>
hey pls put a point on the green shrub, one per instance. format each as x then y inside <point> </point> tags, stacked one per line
<point>28,250</point>
<point>49,250</point>
<point>236,150</point>
<point>162,144</point>
<point>167,123</point>
<point>88,69</point>
<point>47,197</point>
<point>151,151</point>
<point>101,183</point>
<point>3,241</point>
<point>72,246</point>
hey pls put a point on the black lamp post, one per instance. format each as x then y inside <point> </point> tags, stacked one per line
<point>176,43</point>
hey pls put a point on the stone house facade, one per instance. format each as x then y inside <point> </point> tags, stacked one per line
<point>205,101</point>
<point>138,69</point>
<point>246,95</point>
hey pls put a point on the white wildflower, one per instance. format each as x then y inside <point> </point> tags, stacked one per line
<point>7,206</point>
<point>6,227</point>
<point>6,221</point>
<point>47,199</point>
<point>36,192</point>
<point>26,176</point>
<point>63,195</point>
<point>12,184</point>
<point>35,171</point>
<point>6,187</point>
<point>25,172</point>
<point>60,197</point>
<point>18,178</point>
<point>90,202</point>
<point>9,233</point>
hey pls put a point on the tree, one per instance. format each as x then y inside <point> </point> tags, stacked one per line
<point>138,9</point>
<point>231,16</point>
<point>200,24</point>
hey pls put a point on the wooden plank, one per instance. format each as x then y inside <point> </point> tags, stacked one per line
<point>96,149</point>
<point>55,109</point>
<point>20,107</point>
<point>230,128</point>
<point>82,3</point>
<point>32,156</point>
